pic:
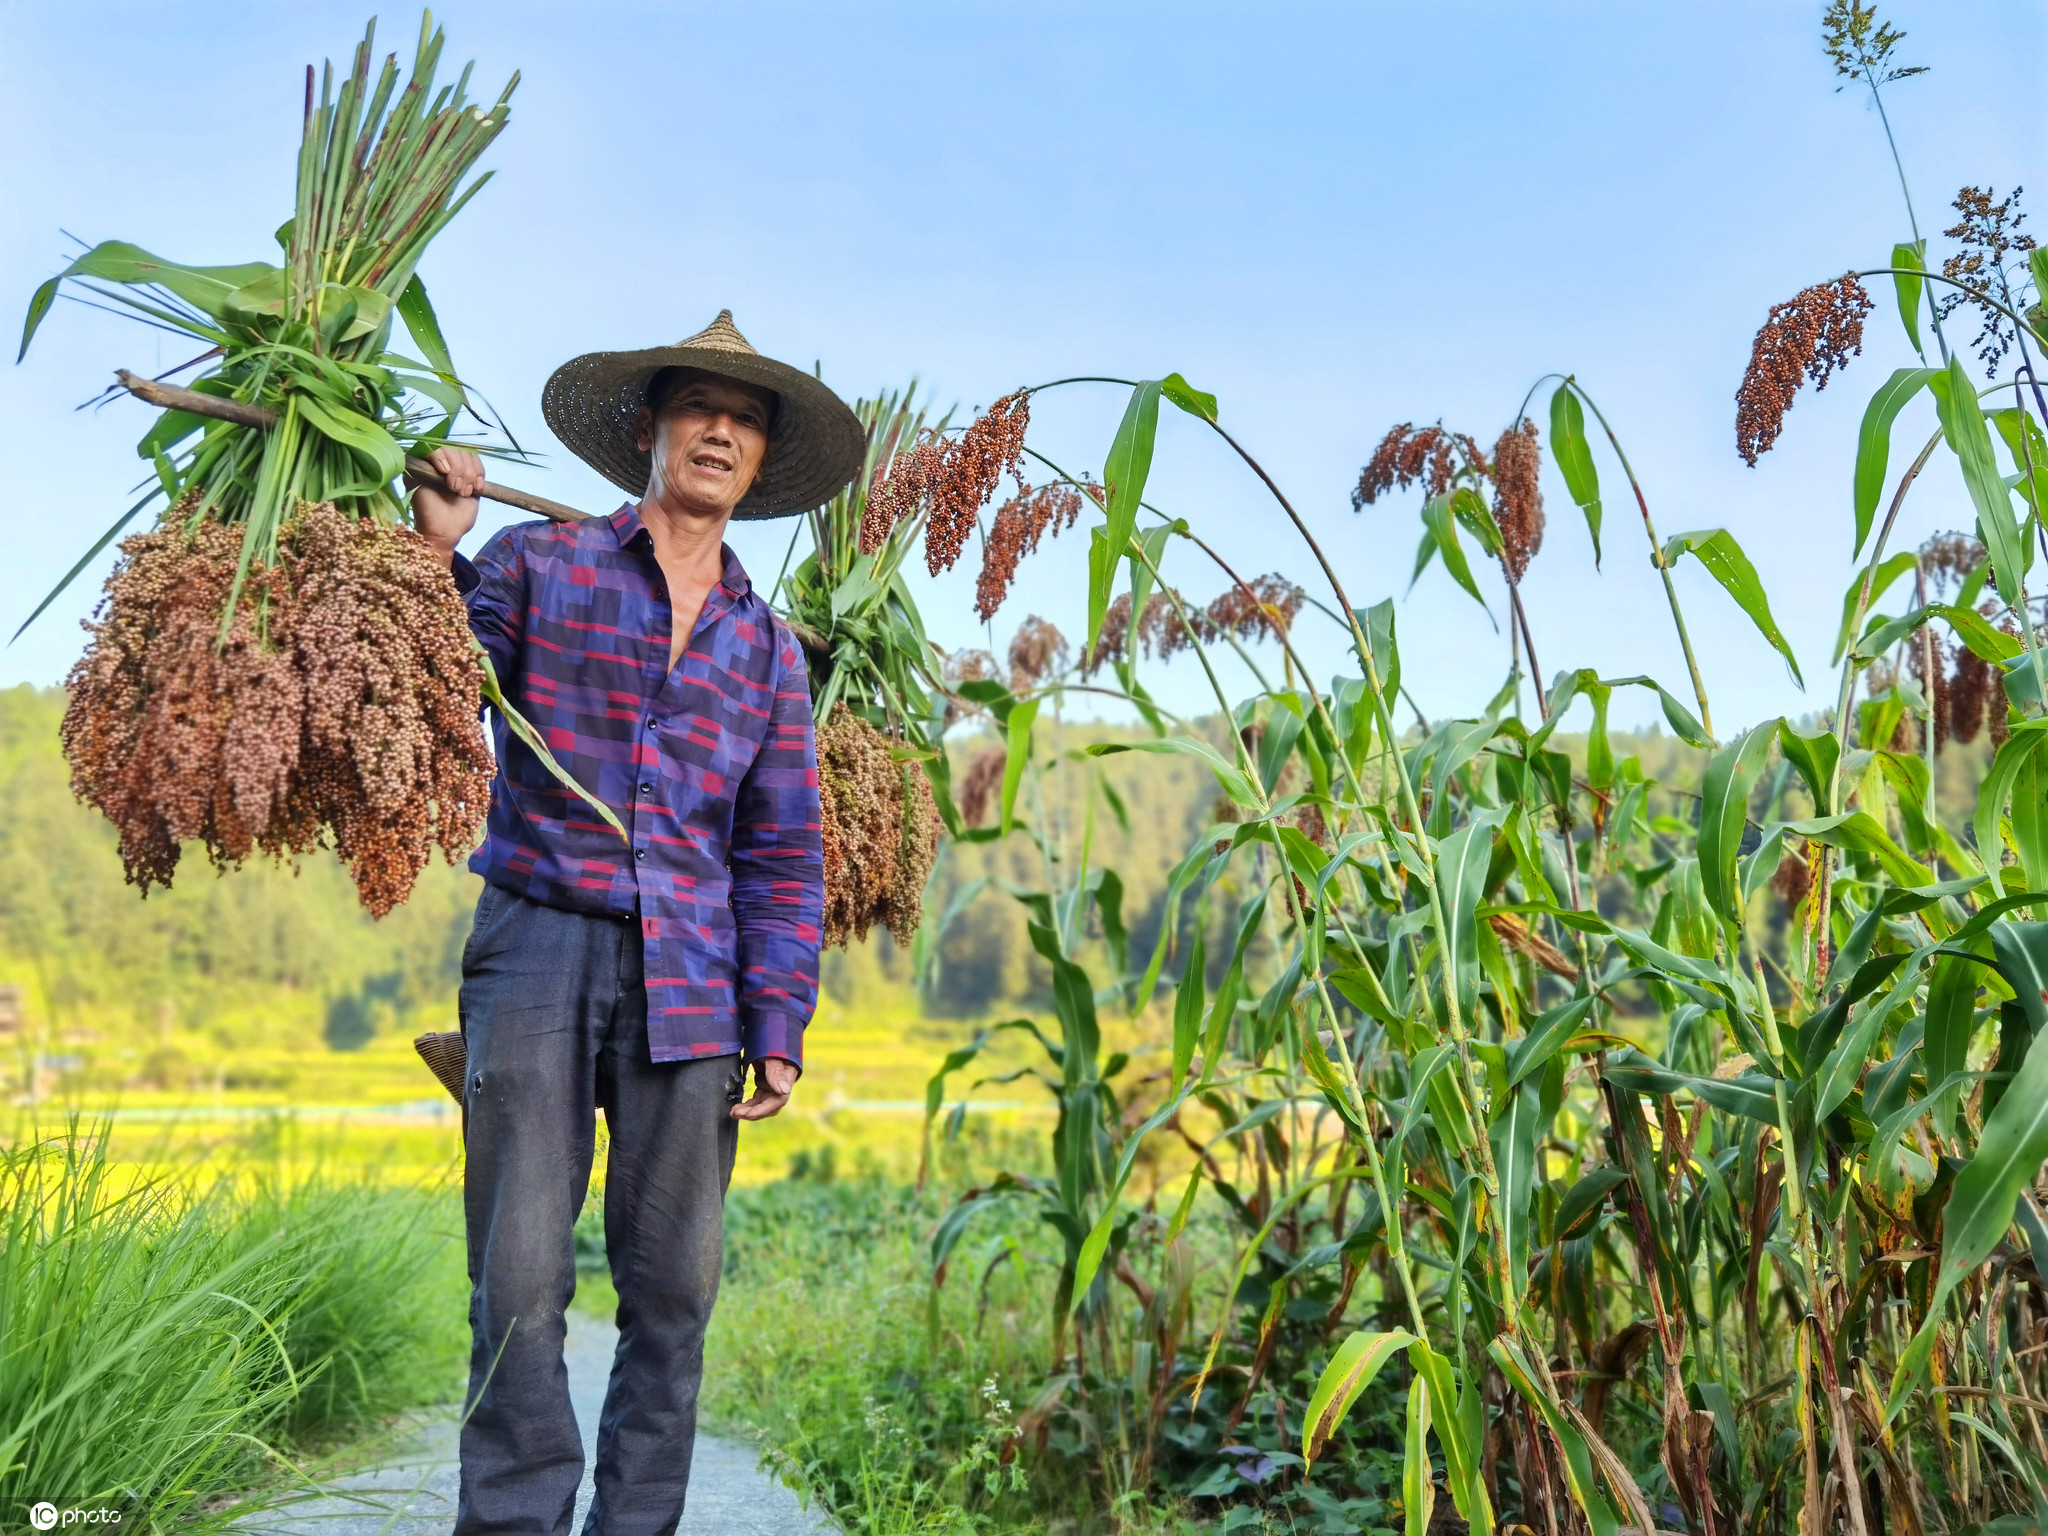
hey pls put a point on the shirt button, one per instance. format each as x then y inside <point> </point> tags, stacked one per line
<point>640,853</point>
<point>646,789</point>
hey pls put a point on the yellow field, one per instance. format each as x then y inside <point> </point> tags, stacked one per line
<point>297,1108</point>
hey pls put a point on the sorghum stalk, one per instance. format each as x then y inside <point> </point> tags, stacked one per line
<point>1692,665</point>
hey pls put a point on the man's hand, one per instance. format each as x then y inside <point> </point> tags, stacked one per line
<point>443,517</point>
<point>774,1081</point>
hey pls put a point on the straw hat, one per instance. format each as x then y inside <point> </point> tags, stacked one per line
<point>592,402</point>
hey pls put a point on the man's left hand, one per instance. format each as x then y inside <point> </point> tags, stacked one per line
<point>774,1082</point>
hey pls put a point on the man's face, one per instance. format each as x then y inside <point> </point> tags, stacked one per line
<point>708,439</point>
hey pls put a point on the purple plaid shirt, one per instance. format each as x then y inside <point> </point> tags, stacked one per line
<point>711,768</point>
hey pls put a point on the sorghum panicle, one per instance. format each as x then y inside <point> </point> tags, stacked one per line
<point>1808,336</point>
<point>897,492</point>
<point>1019,524</point>
<point>981,784</point>
<point>1406,457</point>
<point>880,829</point>
<point>972,468</point>
<point>343,709</point>
<point>1518,497</point>
<point>1038,653</point>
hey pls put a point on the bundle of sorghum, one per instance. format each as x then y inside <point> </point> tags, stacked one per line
<point>881,832</point>
<point>344,703</point>
<point>279,665</point>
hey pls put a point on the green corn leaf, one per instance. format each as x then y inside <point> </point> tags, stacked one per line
<point>1732,773</point>
<point>1968,626</point>
<point>1574,455</point>
<point>1462,862</point>
<point>1860,832</point>
<point>2016,754</point>
<point>1962,423</point>
<point>1232,987</point>
<point>1717,550</point>
<point>1184,874</point>
<point>1908,285</point>
<point>1418,1477</point>
<point>1443,536</point>
<point>1546,1036</point>
<point>1378,624</point>
<point>1584,1201</point>
<point>1284,725</point>
<point>38,306</point>
<point>1874,443</point>
<point>1578,1455</point>
<point>1188,398</point>
<point>1514,1134</point>
<point>1469,508</point>
<point>1097,1242</point>
<point>1187,1009</point>
<point>1233,782</point>
<point>1676,715</point>
<point>1124,473</point>
<point>2029,450</point>
<point>1980,1207</point>
<point>1885,575</point>
<point>1842,1069</point>
<point>1461,1433</point>
<point>935,1086</point>
<point>521,727</point>
<point>1950,1019</point>
<point>206,289</point>
<point>1750,1094</point>
<point>2020,954</point>
<point>1350,1372</point>
<point>1644,950</point>
<point>424,326</point>
<point>357,433</point>
<point>1814,756</point>
<point>1017,752</point>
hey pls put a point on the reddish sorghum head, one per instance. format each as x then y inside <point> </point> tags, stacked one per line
<point>1808,336</point>
<point>1518,497</point>
<point>973,466</point>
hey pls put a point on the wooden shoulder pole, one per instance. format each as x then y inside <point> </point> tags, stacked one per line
<point>172,397</point>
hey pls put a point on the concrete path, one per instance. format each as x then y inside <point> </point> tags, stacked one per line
<point>413,1494</point>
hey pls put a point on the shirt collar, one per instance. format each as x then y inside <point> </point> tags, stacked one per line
<point>627,525</point>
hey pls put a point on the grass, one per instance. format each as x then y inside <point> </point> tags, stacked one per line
<point>168,1343</point>
<point>893,1407</point>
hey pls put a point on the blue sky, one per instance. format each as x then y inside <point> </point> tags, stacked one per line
<point>1333,217</point>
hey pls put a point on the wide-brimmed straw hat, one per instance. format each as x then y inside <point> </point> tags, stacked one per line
<point>592,404</point>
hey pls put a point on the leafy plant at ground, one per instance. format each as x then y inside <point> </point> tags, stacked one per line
<point>168,1344</point>
<point>1648,1209</point>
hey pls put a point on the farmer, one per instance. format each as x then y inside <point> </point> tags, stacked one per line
<point>640,977</point>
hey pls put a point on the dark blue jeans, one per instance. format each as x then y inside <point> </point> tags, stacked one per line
<point>554,1014</point>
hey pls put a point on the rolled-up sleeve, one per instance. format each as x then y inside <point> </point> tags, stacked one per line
<point>493,585</point>
<point>778,872</point>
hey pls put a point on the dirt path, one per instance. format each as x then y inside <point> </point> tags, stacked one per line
<point>413,1494</point>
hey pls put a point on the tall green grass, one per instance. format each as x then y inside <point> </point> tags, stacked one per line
<point>167,1343</point>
